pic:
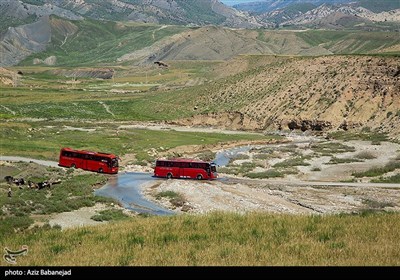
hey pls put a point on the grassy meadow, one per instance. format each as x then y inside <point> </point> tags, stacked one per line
<point>219,239</point>
<point>44,140</point>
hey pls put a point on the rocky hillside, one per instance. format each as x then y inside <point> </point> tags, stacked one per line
<point>14,13</point>
<point>265,6</point>
<point>351,16</point>
<point>59,42</point>
<point>184,12</point>
<point>330,92</point>
<point>324,13</point>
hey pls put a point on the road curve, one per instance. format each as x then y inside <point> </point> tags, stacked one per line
<point>24,159</point>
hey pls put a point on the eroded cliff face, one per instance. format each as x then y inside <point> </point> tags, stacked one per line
<point>324,93</point>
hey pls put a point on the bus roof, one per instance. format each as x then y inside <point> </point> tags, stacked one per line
<point>89,152</point>
<point>183,160</point>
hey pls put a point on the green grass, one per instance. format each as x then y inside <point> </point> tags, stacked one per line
<point>176,199</point>
<point>331,148</point>
<point>168,194</point>
<point>272,173</point>
<point>110,215</point>
<point>38,141</point>
<point>335,160</point>
<point>363,135</point>
<point>297,161</point>
<point>220,239</point>
<point>238,169</point>
<point>378,171</point>
<point>100,42</point>
<point>395,179</point>
<point>359,42</point>
<point>74,192</point>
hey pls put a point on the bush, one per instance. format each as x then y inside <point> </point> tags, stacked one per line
<point>175,198</point>
<point>373,172</point>
<point>391,180</point>
<point>272,173</point>
<point>9,225</point>
<point>298,161</point>
<point>110,214</point>
<point>365,155</point>
<point>335,160</point>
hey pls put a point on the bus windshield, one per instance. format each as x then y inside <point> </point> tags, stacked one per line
<point>114,162</point>
<point>213,168</point>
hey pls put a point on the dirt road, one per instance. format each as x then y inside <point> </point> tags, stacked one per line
<point>23,159</point>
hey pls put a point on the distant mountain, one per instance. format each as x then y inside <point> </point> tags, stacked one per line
<point>263,6</point>
<point>15,13</point>
<point>182,12</point>
<point>340,17</point>
<point>334,16</point>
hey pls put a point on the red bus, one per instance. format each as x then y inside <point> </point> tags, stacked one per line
<point>92,161</point>
<point>185,168</point>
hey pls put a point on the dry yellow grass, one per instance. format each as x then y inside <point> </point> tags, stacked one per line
<point>220,239</point>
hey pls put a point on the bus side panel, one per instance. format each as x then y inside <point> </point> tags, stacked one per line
<point>163,171</point>
<point>189,173</point>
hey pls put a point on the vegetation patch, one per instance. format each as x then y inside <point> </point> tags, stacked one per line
<point>110,215</point>
<point>176,199</point>
<point>297,161</point>
<point>330,148</point>
<point>272,173</point>
<point>364,135</point>
<point>378,171</point>
<point>74,192</point>
<point>218,239</point>
<point>375,204</point>
<point>395,179</point>
<point>238,169</point>
<point>365,155</point>
<point>335,160</point>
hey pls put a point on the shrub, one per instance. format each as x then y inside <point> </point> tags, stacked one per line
<point>365,155</point>
<point>110,214</point>
<point>272,173</point>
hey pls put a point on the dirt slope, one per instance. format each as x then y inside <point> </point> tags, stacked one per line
<point>332,90</point>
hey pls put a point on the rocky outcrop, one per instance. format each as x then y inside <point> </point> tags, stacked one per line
<point>313,125</point>
<point>229,120</point>
<point>51,61</point>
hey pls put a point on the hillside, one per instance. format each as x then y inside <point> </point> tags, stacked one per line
<point>90,42</point>
<point>268,92</point>
<point>78,42</point>
<point>327,14</point>
<point>180,12</point>
<point>265,6</point>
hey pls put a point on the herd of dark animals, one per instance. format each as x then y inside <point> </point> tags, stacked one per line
<point>32,185</point>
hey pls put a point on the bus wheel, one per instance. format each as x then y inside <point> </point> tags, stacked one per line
<point>73,165</point>
<point>169,176</point>
<point>199,177</point>
<point>101,170</point>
